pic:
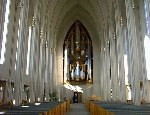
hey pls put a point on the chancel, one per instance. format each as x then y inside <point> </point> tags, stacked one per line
<point>78,56</point>
<point>57,54</point>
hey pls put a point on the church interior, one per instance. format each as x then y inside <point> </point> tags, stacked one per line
<point>73,52</point>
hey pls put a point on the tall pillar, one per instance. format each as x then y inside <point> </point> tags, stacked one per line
<point>133,52</point>
<point>120,49</point>
<point>46,74</point>
<point>113,55</point>
<point>35,83</point>
<point>107,47</point>
<point>41,79</point>
<point>31,68</point>
<point>50,71</point>
<point>101,62</point>
<point>104,66</point>
<point>21,57</point>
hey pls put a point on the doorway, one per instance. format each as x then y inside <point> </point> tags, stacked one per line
<point>77,97</point>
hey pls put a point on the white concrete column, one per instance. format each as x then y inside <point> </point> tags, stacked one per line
<point>102,65</point>
<point>107,63</point>
<point>31,68</point>
<point>133,53</point>
<point>35,76</point>
<point>54,70</point>
<point>120,50</point>
<point>50,71</point>
<point>46,74</point>
<point>7,92</point>
<point>21,57</point>
<point>41,79</point>
<point>141,6</point>
<point>113,56</point>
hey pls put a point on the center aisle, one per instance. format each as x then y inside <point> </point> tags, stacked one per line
<point>78,109</point>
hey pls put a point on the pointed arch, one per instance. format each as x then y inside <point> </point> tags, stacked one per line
<point>77,55</point>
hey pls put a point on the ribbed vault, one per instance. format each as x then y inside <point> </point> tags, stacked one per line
<point>97,10</point>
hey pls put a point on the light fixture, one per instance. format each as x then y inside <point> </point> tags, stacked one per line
<point>25,106</point>
<point>2,112</point>
<point>14,102</point>
<point>37,103</point>
<point>29,100</point>
<point>38,99</point>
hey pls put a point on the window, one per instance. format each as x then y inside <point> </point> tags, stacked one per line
<point>28,53</point>
<point>5,31</point>
<point>147,38</point>
<point>17,43</point>
<point>147,55</point>
<point>146,10</point>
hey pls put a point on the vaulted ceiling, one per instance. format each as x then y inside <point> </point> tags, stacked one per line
<point>92,13</point>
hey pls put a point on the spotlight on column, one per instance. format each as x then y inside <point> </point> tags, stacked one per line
<point>1,88</point>
<point>25,106</point>
<point>2,112</point>
<point>37,103</point>
<point>38,99</point>
<point>14,102</point>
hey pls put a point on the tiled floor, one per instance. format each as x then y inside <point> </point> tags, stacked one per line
<point>78,109</point>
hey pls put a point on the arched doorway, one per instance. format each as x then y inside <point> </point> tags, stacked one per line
<point>77,56</point>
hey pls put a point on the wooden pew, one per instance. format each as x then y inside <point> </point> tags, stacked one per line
<point>117,108</point>
<point>51,108</point>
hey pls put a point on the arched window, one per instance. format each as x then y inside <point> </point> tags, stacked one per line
<point>78,56</point>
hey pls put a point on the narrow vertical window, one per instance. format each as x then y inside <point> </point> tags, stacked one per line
<point>17,43</point>
<point>146,9</point>
<point>147,38</point>
<point>28,53</point>
<point>147,55</point>
<point>5,31</point>
<point>65,68</point>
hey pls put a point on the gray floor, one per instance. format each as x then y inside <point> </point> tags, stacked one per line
<point>78,109</point>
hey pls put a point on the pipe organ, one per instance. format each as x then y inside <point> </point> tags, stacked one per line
<point>77,56</point>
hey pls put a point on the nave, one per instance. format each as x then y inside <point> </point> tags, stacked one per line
<point>92,107</point>
<point>50,49</point>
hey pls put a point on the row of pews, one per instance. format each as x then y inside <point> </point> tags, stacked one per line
<point>117,108</point>
<point>45,108</point>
